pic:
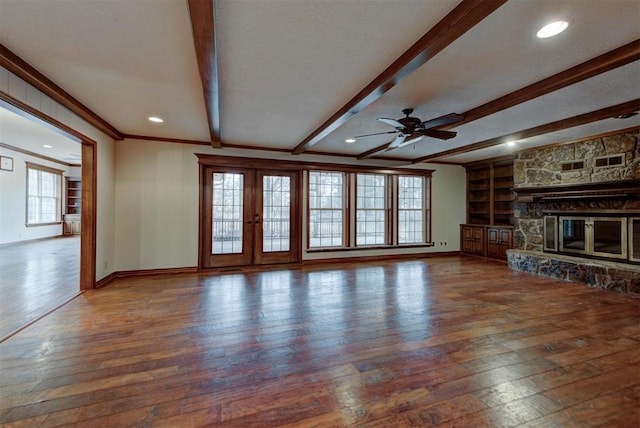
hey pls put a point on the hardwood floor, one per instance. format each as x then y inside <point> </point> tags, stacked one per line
<point>432,342</point>
<point>36,277</point>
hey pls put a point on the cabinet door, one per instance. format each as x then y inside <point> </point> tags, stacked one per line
<point>493,242</point>
<point>478,241</point>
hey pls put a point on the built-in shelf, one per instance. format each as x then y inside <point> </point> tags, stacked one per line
<point>73,206</point>
<point>489,193</point>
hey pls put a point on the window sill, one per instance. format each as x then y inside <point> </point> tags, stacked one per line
<point>42,224</point>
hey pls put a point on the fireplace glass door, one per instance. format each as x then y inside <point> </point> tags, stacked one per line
<point>596,236</point>
<point>608,237</point>
<point>550,233</point>
<point>573,234</point>
<point>634,239</point>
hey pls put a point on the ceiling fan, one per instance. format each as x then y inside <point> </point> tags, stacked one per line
<point>412,129</point>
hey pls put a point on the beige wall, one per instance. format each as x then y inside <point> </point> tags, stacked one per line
<point>157,203</point>
<point>20,90</point>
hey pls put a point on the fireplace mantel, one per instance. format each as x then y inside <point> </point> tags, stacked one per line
<point>626,189</point>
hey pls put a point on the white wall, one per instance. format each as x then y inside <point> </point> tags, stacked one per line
<point>20,90</point>
<point>156,209</point>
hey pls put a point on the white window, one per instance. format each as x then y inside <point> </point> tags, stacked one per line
<point>371,209</point>
<point>326,209</point>
<point>411,209</point>
<point>43,195</point>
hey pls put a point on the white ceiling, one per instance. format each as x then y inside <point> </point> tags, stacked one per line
<point>286,66</point>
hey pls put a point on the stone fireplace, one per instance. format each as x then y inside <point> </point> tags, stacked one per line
<point>577,212</point>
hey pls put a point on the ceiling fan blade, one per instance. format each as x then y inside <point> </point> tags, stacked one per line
<point>391,122</point>
<point>443,120</point>
<point>414,138</point>
<point>436,133</point>
<point>397,142</point>
<point>377,133</point>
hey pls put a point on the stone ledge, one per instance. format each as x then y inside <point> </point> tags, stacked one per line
<point>620,277</point>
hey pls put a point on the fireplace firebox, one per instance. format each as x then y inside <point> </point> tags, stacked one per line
<point>606,236</point>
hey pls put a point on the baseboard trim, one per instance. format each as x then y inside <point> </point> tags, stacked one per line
<point>388,257</point>
<point>144,272</point>
<point>31,241</point>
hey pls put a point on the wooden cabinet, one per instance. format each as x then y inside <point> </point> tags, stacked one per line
<point>472,239</point>
<point>71,224</point>
<point>485,240</point>
<point>499,240</point>
<point>489,193</point>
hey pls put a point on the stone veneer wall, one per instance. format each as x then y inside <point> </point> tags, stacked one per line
<point>543,167</point>
<point>623,278</point>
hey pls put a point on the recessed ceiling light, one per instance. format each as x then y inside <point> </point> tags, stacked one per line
<point>626,115</point>
<point>155,119</point>
<point>47,146</point>
<point>511,143</point>
<point>350,140</point>
<point>552,29</point>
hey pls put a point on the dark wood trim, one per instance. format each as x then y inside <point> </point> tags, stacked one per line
<point>461,19</point>
<point>35,155</point>
<point>621,188</point>
<point>593,67</point>
<point>582,119</point>
<point>497,160</point>
<point>106,280</point>
<point>260,163</point>
<point>28,112</point>
<point>33,77</point>
<point>202,13</point>
<point>88,227</point>
<point>165,139</point>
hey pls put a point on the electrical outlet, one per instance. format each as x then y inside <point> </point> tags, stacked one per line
<point>106,264</point>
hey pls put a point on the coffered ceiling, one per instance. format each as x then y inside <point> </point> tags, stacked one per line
<point>303,76</point>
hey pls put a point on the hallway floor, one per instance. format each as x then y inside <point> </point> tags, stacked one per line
<point>36,277</point>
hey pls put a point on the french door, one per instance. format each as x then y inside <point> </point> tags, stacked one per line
<point>251,217</point>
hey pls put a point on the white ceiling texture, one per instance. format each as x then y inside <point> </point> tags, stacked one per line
<point>286,67</point>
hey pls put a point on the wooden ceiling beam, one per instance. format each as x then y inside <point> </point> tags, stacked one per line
<point>601,64</point>
<point>202,15</point>
<point>582,119</point>
<point>461,19</point>
<point>33,77</point>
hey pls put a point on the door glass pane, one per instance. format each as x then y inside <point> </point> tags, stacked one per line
<point>607,236</point>
<point>276,203</point>
<point>370,209</point>
<point>326,209</point>
<point>410,209</point>
<point>227,213</point>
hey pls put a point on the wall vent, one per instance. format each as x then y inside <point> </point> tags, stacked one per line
<point>606,161</point>
<point>572,166</point>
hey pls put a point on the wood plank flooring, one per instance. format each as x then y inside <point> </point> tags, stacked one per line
<point>36,277</point>
<point>431,342</point>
